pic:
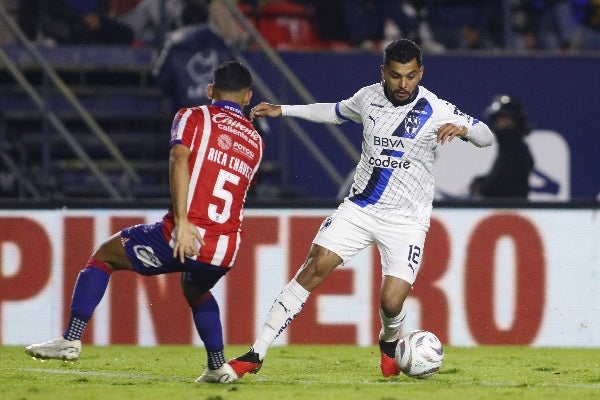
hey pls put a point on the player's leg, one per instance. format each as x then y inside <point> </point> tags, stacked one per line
<point>92,282</point>
<point>287,305</point>
<point>89,289</point>
<point>196,287</point>
<point>391,313</point>
<point>401,251</point>
<point>336,242</point>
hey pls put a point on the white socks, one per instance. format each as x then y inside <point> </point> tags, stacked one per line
<point>390,327</point>
<point>286,306</point>
<point>289,303</point>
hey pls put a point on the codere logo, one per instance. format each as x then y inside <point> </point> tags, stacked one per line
<point>389,162</point>
<point>393,159</point>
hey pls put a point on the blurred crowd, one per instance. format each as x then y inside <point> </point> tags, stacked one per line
<point>438,25</point>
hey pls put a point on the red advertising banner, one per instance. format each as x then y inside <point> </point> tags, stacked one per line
<point>488,277</point>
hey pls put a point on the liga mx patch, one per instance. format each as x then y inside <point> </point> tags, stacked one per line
<point>175,125</point>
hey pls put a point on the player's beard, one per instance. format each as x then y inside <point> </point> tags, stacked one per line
<point>390,95</point>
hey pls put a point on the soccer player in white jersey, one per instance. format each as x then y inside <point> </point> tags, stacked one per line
<point>390,200</point>
<point>214,154</point>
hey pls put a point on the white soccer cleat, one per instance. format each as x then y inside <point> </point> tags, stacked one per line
<point>57,349</point>
<point>225,374</point>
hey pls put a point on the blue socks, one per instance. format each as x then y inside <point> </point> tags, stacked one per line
<point>207,319</point>
<point>89,290</point>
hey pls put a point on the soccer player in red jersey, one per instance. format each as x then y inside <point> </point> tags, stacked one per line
<point>215,153</point>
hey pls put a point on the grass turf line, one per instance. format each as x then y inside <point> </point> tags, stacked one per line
<point>302,372</point>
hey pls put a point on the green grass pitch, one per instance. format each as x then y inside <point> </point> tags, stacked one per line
<point>301,372</point>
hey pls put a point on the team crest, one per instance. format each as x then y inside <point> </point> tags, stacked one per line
<point>411,124</point>
<point>415,119</point>
<point>224,141</point>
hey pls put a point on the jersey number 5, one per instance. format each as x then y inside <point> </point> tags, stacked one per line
<point>220,192</point>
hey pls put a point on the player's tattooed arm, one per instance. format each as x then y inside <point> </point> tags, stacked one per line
<point>264,109</point>
<point>449,131</point>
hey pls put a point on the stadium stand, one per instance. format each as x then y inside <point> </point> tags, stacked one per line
<point>116,87</point>
<point>287,25</point>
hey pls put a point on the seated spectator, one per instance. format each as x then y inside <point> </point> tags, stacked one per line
<point>73,22</point>
<point>465,24</point>
<point>522,20</point>
<point>587,15</point>
<point>149,21</point>
<point>364,21</point>
<point>555,25</point>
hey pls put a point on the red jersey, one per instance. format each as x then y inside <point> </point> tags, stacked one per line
<point>225,155</point>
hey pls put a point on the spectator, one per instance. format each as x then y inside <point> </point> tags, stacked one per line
<point>149,21</point>
<point>523,15</point>
<point>72,22</point>
<point>509,176</point>
<point>587,14</point>
<point>185,64</point>
<point>555,25</point>
<point>363,22</point>
<point>464,24</point>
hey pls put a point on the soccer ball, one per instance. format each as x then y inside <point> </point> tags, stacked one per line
<point>419,354</point>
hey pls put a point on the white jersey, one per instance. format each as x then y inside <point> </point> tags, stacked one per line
<point>394,177</point>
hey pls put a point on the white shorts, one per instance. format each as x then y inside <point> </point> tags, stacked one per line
<point>349,230</point>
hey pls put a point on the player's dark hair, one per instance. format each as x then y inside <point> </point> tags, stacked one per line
<point>402,51</point>
<point>232,76</point>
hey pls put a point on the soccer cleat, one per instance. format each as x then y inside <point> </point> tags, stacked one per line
<point>389,366</point>
<point>248,363</point>
<point>57,349</point>
<point>225,374</point>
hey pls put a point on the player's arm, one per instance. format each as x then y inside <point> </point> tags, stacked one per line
<point>455,123</point>
<point>316,112</point>
<point>186,233</point>
<point>264,109</point>
<point>479,134</point>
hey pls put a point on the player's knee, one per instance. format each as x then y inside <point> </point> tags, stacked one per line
<point>391,305</point>
<point>311,275</point>
<point>194,289</point>
<point>317,271</point>
<point>112,253</point>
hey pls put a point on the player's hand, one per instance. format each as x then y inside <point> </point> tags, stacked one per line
<point>265,110</point>
<point>187,239</point>
<point>449,131</point>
